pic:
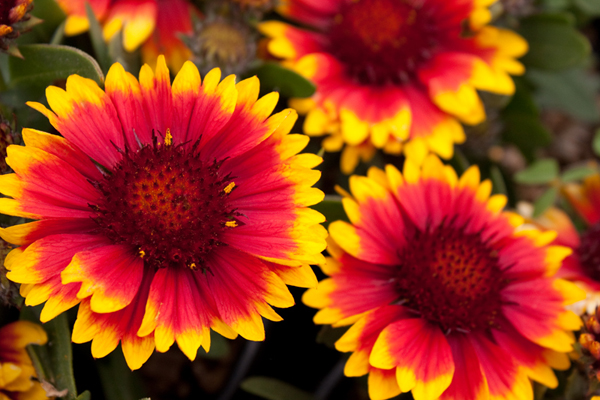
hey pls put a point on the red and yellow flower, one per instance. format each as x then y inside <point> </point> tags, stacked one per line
<point>394,75</point>
<point>152,24</point>
<point>16,368</point>
<point>166,210</point>
<point>446,294</point>
<point>583,265</point>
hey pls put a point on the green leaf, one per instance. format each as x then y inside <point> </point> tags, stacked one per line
<point>596,143</point>
<point>555,5</point>
<point>332,209</point>
<point>85,396</point>
<point>118,381</point>
<point>287,82</point>
<point>576,173</point>
<point>44,64</point>
<point>59,352</point>
<point>554,44</point>
<point>219,347</point>
<point>459,161</point>
<point>540,172</point>
<point>589,7</point>
<point>526,132</point>
<point>59,34</point>
<point>328,335</point>
<point>498,184</point>
<point>577,386</point>
<point>522,101</point>
<point>545,201</point>
<point>573,91</point>
<point>273,389</point>
<point>97,38</point>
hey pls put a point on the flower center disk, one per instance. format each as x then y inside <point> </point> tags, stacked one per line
<point>452,279</point>
<point>381,41</point>
<point>167,203</point>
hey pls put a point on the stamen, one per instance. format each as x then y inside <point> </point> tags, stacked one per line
<point>168,138</point>
<point>229,187</point>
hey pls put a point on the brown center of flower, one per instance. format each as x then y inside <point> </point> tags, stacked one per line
<point>451,278</point>
<point>382,41</point>
<point>223,42</point>
<point>589,251</point>
<point>169,204</point>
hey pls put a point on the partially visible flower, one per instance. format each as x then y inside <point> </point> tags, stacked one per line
<point>583,265</point>
<point>13,16</point>
<point>447,295</point>
<point>197,219</point>
<point>7,137</point>
<point>152,24</point>
<point>395,75</point>
<point>9,291</point>
<point>16,369</point>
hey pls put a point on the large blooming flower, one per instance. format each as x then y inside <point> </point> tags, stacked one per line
<point>16,368</point>
<point>166,210</point>
<point>152,24</point>
<point>447,297</point>
<point>583,266</point>
<point>392,71</point>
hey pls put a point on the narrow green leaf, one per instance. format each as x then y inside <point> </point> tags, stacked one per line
<point>287,82</point>
<point>118,381</point>
<point>59,351</point>
<point>59,34</point>
<point>332,209</point>
<point>545,201</point>
<point>573,91</point>
<point>273,389</point>
<point>596,143</point>
<point>459,161</point>
<point>498,184</point>
<point>541,171</point>
<point>219,347</point>
<point>576,173</point>
<point>553,43</point>
<point>97,38</point>
<point>44,64</point>
<point>85,396</point>
<point>328,335</point>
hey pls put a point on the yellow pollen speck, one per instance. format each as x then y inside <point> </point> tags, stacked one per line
<point>231,224</point>
<point>168,138</point>
<point>229,187</point>
<point>193,266</point>
<point>142,253</point>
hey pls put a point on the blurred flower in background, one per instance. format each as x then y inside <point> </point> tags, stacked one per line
<point>447,296</point>
<point>199,221</point>
<point>394,75</point>
<point>226,38</point>
<point>155,25</point>
<point>17,375</point>
<point>583,265</point>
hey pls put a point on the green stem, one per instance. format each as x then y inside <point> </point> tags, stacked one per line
<point>61,358</point>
